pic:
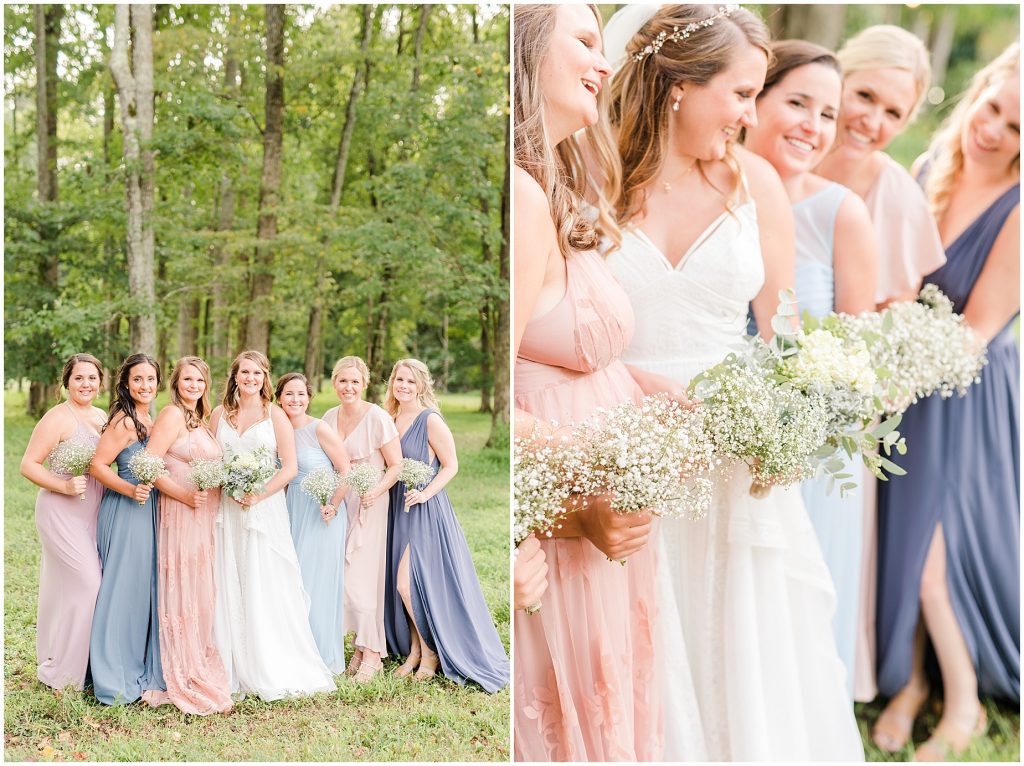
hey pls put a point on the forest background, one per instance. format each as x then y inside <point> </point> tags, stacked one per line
<point>307,180</point>
<point>961,40</point>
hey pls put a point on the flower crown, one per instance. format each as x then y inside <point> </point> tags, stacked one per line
<point>681,34</point>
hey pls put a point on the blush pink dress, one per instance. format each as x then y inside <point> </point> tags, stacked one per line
<point>366,546</point>
<point>586,677</point>
<point>196,680</point>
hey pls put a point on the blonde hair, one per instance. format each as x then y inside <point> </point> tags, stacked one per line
<point>424,386</point>
<point>197,417</point>
<point>885,46</point>
<point>561,170</point>
<point>946,148</point>
<point>641,90</point>
<point>230,399</point>
<point>351,361</point>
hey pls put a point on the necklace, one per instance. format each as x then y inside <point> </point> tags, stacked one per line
<point>667,185</point>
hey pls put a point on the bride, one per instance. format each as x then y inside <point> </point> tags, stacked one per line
<point>262,626</point>
<point>754,595</point>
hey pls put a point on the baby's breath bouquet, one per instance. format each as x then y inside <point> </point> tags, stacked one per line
<point>146,467</point>
<point>653,456</point>
<point>415,473</point>
<point>541,489</point>
<point>918,347</point>
<point>321,484</point>
<point>72,457</point>
<point>206,474</point>
<point>247,473</point>
<point>362,478</point>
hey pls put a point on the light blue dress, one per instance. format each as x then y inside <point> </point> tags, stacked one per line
<point>320,549</point>
<point>124,646</point>
<point>838,521</point>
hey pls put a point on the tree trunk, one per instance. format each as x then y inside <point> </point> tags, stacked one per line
<point>42,393</point>
<point>421,32</point>
<point>221,342</point>
<point>821,24</point>
<point>942,44</point>
<point>500,414</point>
<point>135,92</point>
<point>257,331</point>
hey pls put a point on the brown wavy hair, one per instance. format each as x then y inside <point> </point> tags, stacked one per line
<point>69,367</point>
<point>229,401</point>
<point>121,402</point>
<point>946,148</point>
<point>197,417</point>
<point>640,101</point>
<point>561,171</point>
<point>287,378</point>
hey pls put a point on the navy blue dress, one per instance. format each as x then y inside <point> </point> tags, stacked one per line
<point>124,648</point>
<point>962,471</point>
<point>447,602</point>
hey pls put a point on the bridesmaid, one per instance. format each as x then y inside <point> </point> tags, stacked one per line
<point>193,669</point>
<point>318,535</point>
<point>885,79</point>
<point>835,271</point>
<point>124,648</point>
<point>949,532</point>
<point>369,436</point>
<point>69,569</point>
<point>589,664</point>
<point>434,610</point>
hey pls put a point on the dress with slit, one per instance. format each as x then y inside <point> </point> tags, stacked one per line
<point>447,602</point>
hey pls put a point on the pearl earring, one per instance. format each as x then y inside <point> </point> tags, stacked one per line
<point>675,104</point>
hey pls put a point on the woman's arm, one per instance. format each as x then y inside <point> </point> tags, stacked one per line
<point>441,441</point>
<point>118,435</point>
<point>334,448</point>
<point>168,428</point>
<point>392,452</point>
<point>995,297</point>
<point>775,224</point>
<point>535,241</point>
<point>285,435</point>
<point>55,426</point>
<point>854,257</point>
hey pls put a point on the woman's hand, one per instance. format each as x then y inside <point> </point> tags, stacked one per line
<point>617,535</point>
<point>141,493</point>
<point>328,512</point>
<point>199,498</point>
<point>652,383</point>
<point>369,497</point>
<point>414,497</point>
<point>76,485</point>
<point>530,574</point>
<point>249,500</point>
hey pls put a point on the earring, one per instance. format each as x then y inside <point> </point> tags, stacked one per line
<point>675,104</point>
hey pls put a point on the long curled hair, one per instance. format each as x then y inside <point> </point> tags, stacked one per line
<point>121,402</point>
<point>640,104</point>
<point>197,417</point>
<point>229,401</point>
<point>946,148</point>
<point>885,46</point>
<point>69,367</point>
<point>424,386</point>
<point>560,171</point>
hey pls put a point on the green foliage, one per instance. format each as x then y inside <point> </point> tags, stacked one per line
<point>387,720</point>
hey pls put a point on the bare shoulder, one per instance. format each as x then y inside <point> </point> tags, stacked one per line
<point>528,194</point>
<point>171,415</point>
<point>277,416</point>
<point>761,176</point>
<point>852,213</point>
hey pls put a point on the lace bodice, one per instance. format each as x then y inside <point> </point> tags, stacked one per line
<point>258,435</point>
<point>688,317</point>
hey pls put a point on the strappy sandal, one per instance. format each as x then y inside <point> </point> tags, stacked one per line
<point>426,673</point>
<point>354,663</point>
<point>893,729</point>
<point>938,747</point>
<point>367,672</point>
<point>406,668</point>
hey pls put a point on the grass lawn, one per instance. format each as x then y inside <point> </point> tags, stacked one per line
<point>389,719</point>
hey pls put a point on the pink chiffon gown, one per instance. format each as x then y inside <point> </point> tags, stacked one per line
<point>196,680</point>
<point>586,677</point>
<point>69,578</point>
<point>366,546</point>
<point>909,247</point>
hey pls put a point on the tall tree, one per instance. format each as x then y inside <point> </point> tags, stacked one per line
<point>500,413</point>
<point>221,342</point>
<point>257,330</point>
<point>47,27</point>
<point>133,28</point>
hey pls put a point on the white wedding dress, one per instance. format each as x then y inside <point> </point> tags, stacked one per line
<point>754,595</point>
<point>262,617</point>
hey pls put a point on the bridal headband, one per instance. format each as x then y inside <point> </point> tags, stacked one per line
<point>624,25</point>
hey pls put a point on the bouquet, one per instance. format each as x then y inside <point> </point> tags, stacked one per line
<point>918,347</point>
<point>72,457</point>
<point>321,484</point>
<point>362,478</point>
<point>207,474</point>
<point>540,487</point>
<point>146,468</point>
<point>415,473</point>
<point>246,473</point>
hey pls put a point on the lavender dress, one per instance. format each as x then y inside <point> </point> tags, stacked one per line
<point>962,466</point>
<point>447,602</point>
